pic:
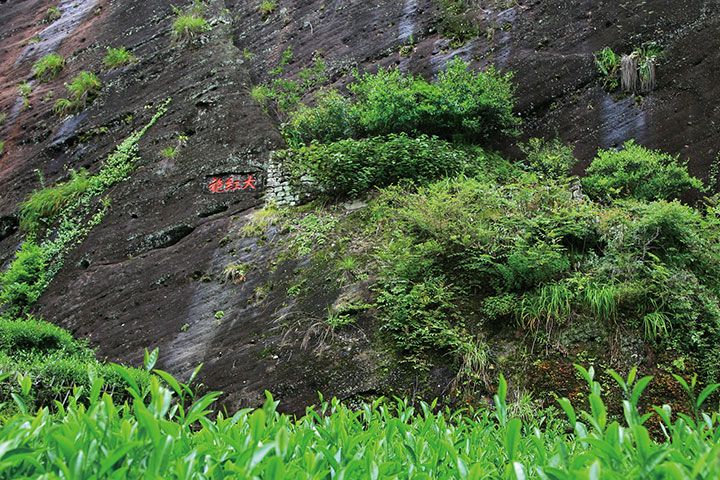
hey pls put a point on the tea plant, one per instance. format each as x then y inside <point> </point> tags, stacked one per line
<point>166,430</point>
<point>460,105</point>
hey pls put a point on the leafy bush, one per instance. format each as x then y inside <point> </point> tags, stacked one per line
<point>349,167</point>
<point>284,94</point>
<point>460,105</point>
<point>528,251</point>
<point>637,172</point>
<point>117,57</point>
<point>43,206</point>
<point>21,284</point>
<point>548,158</point>
<point>33,336</point>
<point>2,146</point>
<point>48,67</point>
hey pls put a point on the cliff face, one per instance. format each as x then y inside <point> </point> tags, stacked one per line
<point>150,275</point>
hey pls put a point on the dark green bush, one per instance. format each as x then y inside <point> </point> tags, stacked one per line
<point>21,284</point>
<point>459,105</point>
<point>637,172</point>
<point>548,158</point>
<point>348,167</point>
<point>34,336</point>
<point>421,318</point>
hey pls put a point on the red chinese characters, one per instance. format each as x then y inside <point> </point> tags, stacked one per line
<point>232,184</point>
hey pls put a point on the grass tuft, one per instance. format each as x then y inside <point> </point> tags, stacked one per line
<point>117,57</point>
<point>48,67</point>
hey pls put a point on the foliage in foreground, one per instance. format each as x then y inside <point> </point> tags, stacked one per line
<point>163,432</point>
<point>55,362</point>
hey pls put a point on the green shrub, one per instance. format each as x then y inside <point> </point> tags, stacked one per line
<point>421,319</point>
<point>43,206</point>
<point>329,120</point>
<point>21,284</point>
<point>548,158</point>
<point>528,251</point>
<point>350,167</point>
<point>48,67</point>
<point>34,336</point>
<point>637,172</point>
<point>117,57</point>
<point>460,105</point>
<point>284,94</point>
<point>2,146</point>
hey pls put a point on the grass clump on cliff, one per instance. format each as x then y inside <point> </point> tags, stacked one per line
<point>460,105</point>
<point>52,14</point>
<point>48,67</point>
<point>43,205</point>
<point>190,23</point>
<point>267,7</point>
<point>82,89</point>
<point>458,21</point>
<point>117,57</point>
